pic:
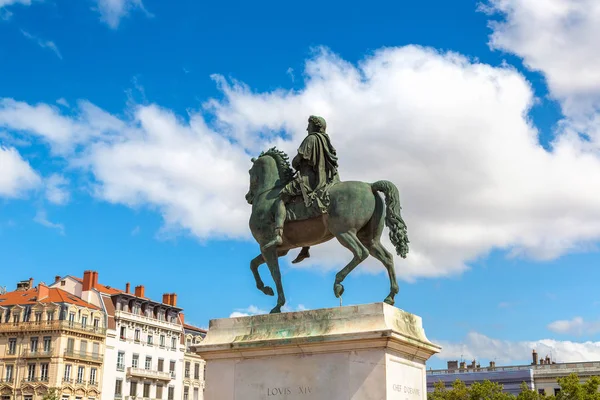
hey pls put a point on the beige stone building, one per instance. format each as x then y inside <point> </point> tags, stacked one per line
<point>50,338</point>
<point>194,365</point>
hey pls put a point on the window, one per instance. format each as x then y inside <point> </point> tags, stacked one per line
<point>171,394</point>
<point>186,393</point>
<point>146,390</point>
<point>162,341</point>
<point>83,348</point>
<point>84,321</point>
<point>187,369</point>
<point>159,391</point>
<point>118,388</point>
<point>542,392</point>
<point>38,317</point>
<point>44,372</point>
<point>80,374</point>
<point>50,315</point>
<point>161,365</point>
<point>196,371</point>
<point>196,394</point>
<point>133,388</point>
<point>137,335</point>
<point>31,372</point>
<point>12,346</point>
<point>71,318</point>
<point>28,397</point>
<point>33,345</point>
<point>16,318</point>
<point>150,340</point>
<point>9,373</point>
<point>172,369</point>
<point>121,361</point>
<point>47,344</point>
<point>556,391</point>
<point>67,376</point>
<point>173,343</point>
<point>123,333</point>
<point>70,345</point>
<point>93,372</point>
<point>96,323</point>
<point>148,364</point>
<point>135,360</point>
<point>96,350</point>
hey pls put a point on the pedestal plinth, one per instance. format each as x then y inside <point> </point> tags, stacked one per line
<point>365,352</point>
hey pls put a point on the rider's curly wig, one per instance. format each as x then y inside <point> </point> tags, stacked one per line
<point>318,122</point>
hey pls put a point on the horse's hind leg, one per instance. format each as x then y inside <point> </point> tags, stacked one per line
<point>257,262</point>
<point>351,242</point>
<point>379,252</point>
<point>271,257</point>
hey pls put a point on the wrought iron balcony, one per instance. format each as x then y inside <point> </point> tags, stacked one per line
<point>148,374</point>
<point>81,355</point>
<point>55,325</point>
<point>36,354</point>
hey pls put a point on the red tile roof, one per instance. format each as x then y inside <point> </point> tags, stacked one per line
<point>194,328</point>
<point>101,288</point>
<point>30,297</point>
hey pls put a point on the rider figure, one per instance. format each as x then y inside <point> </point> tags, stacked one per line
<point>317,166</point>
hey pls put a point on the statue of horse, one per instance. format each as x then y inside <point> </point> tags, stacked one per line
<point>355,217</point>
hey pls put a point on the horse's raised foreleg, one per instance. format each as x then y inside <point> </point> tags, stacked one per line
<point>257,262</point>
<point>272,259</point>
<point>351,242</point>
<point>379,252</point>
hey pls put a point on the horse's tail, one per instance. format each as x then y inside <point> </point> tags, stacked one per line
<point>393,219</point>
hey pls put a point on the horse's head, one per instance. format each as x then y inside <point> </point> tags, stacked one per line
<point>270,169</point>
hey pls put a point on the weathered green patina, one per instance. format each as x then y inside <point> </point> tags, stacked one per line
<point>323,208</point>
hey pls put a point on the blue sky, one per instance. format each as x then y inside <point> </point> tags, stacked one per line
<point>127,127</point>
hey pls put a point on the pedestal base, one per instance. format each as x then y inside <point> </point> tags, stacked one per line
<point>373,351</point>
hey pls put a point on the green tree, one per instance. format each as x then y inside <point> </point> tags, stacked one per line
<point>528,394</point>
<point>439,392</point>
<point>52,394</point>
<point>487,390</point>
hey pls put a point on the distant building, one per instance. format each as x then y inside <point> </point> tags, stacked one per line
<point>50,338</point>
<point>541,374</point>
<point>194,365</point>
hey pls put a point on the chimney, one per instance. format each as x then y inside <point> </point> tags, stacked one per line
<point>182,318</point>
<point>87,280</point>
<point>492,364</point>
<point>127,287</point>
<point>43,292</point>
<point>139,291</point>
<point>30,283</point>
<point>56,278</point>
<point>463,365</point>
<point>166,298</point>
<point>452,365</point>
<point>534,355</point>
<point>473,364</point>
<point>174,299</point>
<point>547,360</point>
<point>94,279</point>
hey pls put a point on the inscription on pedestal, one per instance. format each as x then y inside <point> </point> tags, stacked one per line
<point>286,391</point>
<point>406,381</point>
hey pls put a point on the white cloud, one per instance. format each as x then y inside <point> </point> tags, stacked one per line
<point>478,346</point>
<point>63,102</point>
<point>45,44</point>
<point>452,133</point>
<point>41,218</point>
<point>17,176</point>
<point>112,11</point>
<point>4,3</point>
<point>576,326</point>
<point>57,189</point>
<point>246,312</point>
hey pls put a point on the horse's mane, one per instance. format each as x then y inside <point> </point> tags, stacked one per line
<point>283,163</point>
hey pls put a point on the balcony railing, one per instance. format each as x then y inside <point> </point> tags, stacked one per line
<point>10,352</point>
<point>120,367</point>
<point>8,381</point>
<point>148,374</point>
<point>81,355</point>
<point>51,326</point>
<point>67,380</point>
<point>36,354</point>
<point>146,320</point>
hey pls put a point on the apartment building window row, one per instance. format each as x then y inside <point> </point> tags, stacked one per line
<point>31,372</point>
<point>137,338</point>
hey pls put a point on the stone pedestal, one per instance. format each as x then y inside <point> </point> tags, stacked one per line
<point>366,352</point>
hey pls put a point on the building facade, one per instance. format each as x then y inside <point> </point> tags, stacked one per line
<point>50,339</point>
<point>194,365</point>
<point>145,346</point>
<point>541,375</point>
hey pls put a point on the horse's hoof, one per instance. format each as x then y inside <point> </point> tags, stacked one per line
<point>389,300</point>
<point>268,291</point>
<point>338,289</point>
<point>276,310</point>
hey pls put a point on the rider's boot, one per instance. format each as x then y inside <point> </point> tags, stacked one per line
<point>302,255</point>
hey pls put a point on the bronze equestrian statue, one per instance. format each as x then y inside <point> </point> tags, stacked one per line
<point>312,206</point>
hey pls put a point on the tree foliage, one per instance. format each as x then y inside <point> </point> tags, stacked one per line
<point>570,389</point>
<point>52,394</point>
